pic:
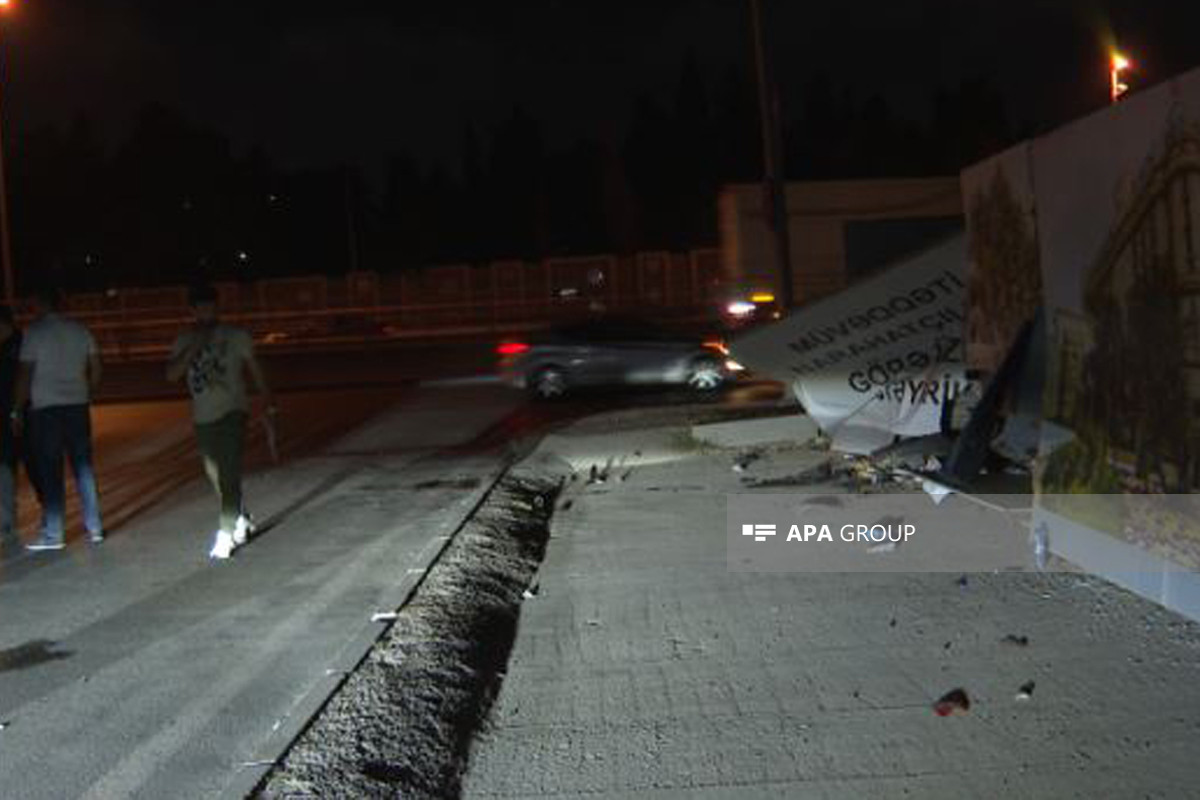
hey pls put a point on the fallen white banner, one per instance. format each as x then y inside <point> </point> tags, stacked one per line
<point>878,359</point>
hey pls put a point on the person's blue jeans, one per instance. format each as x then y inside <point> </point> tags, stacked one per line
<point>54,433</point>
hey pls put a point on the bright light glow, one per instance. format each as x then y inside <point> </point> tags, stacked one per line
<point>762,297</point>
<point>740,308</point>
<point>5,3</point>
<point>733,366</point>
<point>1119,65</point>
<point>718,345</point>
<point>511,348</point>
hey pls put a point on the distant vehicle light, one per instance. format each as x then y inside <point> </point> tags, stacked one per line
<point>733,366</point>
<point>740,308</point>
<point>762,297</point>
<point>511,348</point>
<point>718,345</point>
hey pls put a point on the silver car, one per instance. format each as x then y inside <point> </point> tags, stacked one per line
<point>612,351</point>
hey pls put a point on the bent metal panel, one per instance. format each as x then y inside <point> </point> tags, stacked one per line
<point>876,360</point>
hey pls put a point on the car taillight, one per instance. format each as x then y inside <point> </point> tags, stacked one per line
<point>718,346</point>
<point>511,348</point>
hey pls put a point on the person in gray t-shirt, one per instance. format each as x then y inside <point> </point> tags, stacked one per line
<point>60,368</point>
<point>213,357</point>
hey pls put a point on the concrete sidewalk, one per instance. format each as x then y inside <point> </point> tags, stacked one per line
<point>138,669</point>
<point>643,668</point>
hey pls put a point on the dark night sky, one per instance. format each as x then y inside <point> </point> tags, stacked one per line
<point>356,80</point>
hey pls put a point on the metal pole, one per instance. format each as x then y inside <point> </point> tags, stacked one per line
<point>10,288</point>
<point>772,135</point>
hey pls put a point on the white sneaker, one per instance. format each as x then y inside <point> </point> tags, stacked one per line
<point>243,530</point>
<point>223,546</point>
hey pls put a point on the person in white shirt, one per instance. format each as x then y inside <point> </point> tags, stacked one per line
<point>214,357</point>
<point>59,371</point>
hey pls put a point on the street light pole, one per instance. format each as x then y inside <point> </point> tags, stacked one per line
<point>775,189</point>
<point>10,288</point>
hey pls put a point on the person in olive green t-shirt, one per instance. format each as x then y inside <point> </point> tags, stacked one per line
<point>214,357</point>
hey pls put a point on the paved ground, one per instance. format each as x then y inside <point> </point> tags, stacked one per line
<point>643,668</point>
<point>139,669</point>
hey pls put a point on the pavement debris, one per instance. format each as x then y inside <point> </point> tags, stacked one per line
<point>962,582</point>
<point>566,506</point>
<point>385,616</point>
<point>936,491</point>
<point>743,462</point>
<point>1026,691</point>
<point>1019,641</point>
<point>954,701</point>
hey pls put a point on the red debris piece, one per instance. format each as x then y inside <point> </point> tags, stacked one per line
<point>953,702</point>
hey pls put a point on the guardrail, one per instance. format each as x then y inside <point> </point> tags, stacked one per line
<point>122,336</point>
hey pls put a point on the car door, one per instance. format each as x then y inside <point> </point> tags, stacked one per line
<point>644,353</point>
<point>586,353</point>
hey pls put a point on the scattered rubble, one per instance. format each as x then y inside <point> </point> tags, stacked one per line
<point>1026,691</point>
<point>821,473</point>
<point>1013,639</point>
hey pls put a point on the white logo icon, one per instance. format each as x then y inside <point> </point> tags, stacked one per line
<point>759,532</point>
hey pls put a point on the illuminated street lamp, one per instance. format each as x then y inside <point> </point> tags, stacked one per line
<point>5,244</point>
<point>1119,65</point>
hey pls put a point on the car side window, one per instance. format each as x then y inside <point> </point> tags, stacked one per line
<point>612,331</point>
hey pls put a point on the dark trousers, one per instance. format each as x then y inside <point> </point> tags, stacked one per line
<point>221,444</point>
<point>13,454</point>
<point>56,433</point>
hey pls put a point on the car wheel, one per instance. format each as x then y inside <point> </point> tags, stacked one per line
<point>706,376</point>
<point>548,383</point>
